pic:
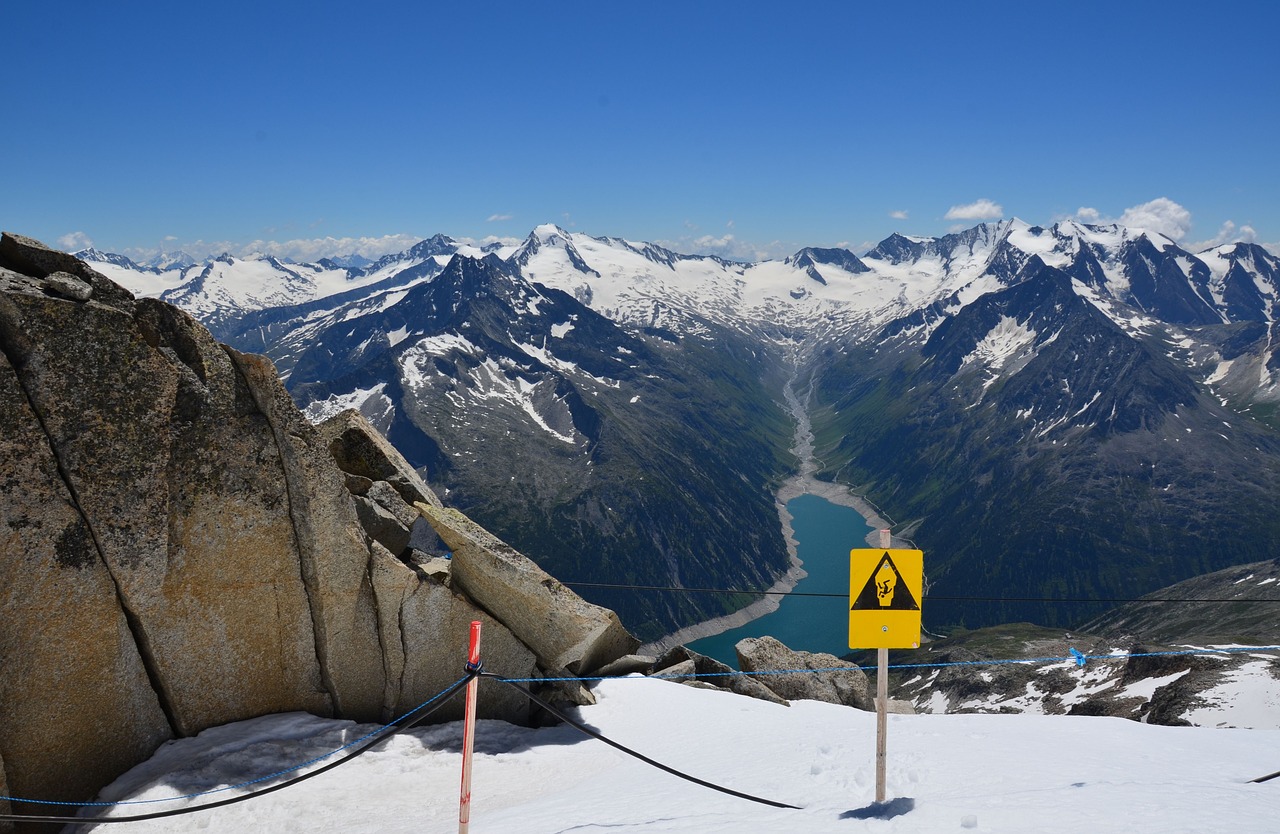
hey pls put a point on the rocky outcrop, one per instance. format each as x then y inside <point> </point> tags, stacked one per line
<point>683,665</point>
<point>179,548</point>
<point>839,682</point>
<point>5,808</point>
<point>565,631</point>
<point>1024,668</point>
<point>332,549</point>
<point>55,668</point>
<point>359,449</point>
<point>63,274</point>
<point>425,628</point>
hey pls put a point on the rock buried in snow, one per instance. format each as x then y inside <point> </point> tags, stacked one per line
<point>683,665</point>
<point>846,685</point>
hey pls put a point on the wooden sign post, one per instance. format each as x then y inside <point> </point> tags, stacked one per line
<point>884,613</point>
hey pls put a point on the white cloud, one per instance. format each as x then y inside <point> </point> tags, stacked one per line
<point>725,245</point>
<point>303,250</point>
<point>901,214</point>
<point>729,247</point>
<point>75,241</point>
<point>313,249</point>
<point>1161,215</point>
<point>505,240</point>
<point>983,209</point>
<point>1229,233</point>
<point>495,218</point>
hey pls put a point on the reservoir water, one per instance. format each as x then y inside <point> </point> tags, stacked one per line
<point>825,533</point>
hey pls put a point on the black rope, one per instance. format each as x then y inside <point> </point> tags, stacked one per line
<point>593,734</point>
<point>936,597</point>
<point>391,729</point>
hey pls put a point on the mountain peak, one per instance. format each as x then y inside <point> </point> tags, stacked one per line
<point>548,230</point>
<point>546,238</point>
<point>809,258</point>
<point>437,244</point>
<point>898,248</point>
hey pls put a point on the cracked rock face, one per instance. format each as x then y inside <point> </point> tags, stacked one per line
<point>178,548</point>
<point>56,668</point>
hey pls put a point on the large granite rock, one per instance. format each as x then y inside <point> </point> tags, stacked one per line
<point>5,827</point>
<point>359,449</point>
<point>847,685</point>
<point>31,257</point>
<point>180,486</point>
<point>385,516</point>
<point>56,668</point>
<point>564,630</point>
<point>332,547</point>
<point>425,634</point>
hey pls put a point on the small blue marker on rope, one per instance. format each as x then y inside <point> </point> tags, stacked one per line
<point>1080,658</point>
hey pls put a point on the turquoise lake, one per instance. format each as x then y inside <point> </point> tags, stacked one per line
<point>825,533</point>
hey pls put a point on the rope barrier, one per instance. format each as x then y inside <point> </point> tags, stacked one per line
<point>402,723</point>
<point>1075,657</point>
<point>933,597</point>
<point>399,725</point>
<point>651,762</point>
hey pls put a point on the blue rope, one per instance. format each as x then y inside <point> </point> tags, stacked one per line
<point>1079,658</point>
<point>250,782</point>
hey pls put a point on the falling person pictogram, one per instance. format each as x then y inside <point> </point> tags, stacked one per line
<point>885,590</point>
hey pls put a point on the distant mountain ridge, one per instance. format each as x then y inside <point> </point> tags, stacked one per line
<point>990,381</point>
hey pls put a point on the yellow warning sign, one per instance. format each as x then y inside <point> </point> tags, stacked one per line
<point>884,598</point>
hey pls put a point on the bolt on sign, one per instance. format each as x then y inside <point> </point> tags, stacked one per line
<point>884,598</point>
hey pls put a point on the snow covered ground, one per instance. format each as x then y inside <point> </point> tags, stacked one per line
<point>985,773</point>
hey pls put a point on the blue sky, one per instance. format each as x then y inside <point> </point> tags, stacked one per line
<point>737,128</point>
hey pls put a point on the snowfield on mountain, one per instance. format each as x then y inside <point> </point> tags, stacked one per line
<point>982,773</point>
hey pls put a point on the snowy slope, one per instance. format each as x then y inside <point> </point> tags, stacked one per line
<point>644,285</point>
<point>141,281</point>
<point>229,285</point>
<point>992,773</point>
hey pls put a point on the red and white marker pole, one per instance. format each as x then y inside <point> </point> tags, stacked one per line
<point>469,730</point>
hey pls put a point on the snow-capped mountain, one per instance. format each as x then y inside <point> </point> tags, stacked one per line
<point>1141,280</point>
<point>1054,393</point>
<point>168,261</point>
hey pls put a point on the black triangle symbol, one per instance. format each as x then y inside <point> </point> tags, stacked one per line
<point>869,599</point>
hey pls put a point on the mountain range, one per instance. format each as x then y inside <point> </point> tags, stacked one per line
<point>1066,412</point>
